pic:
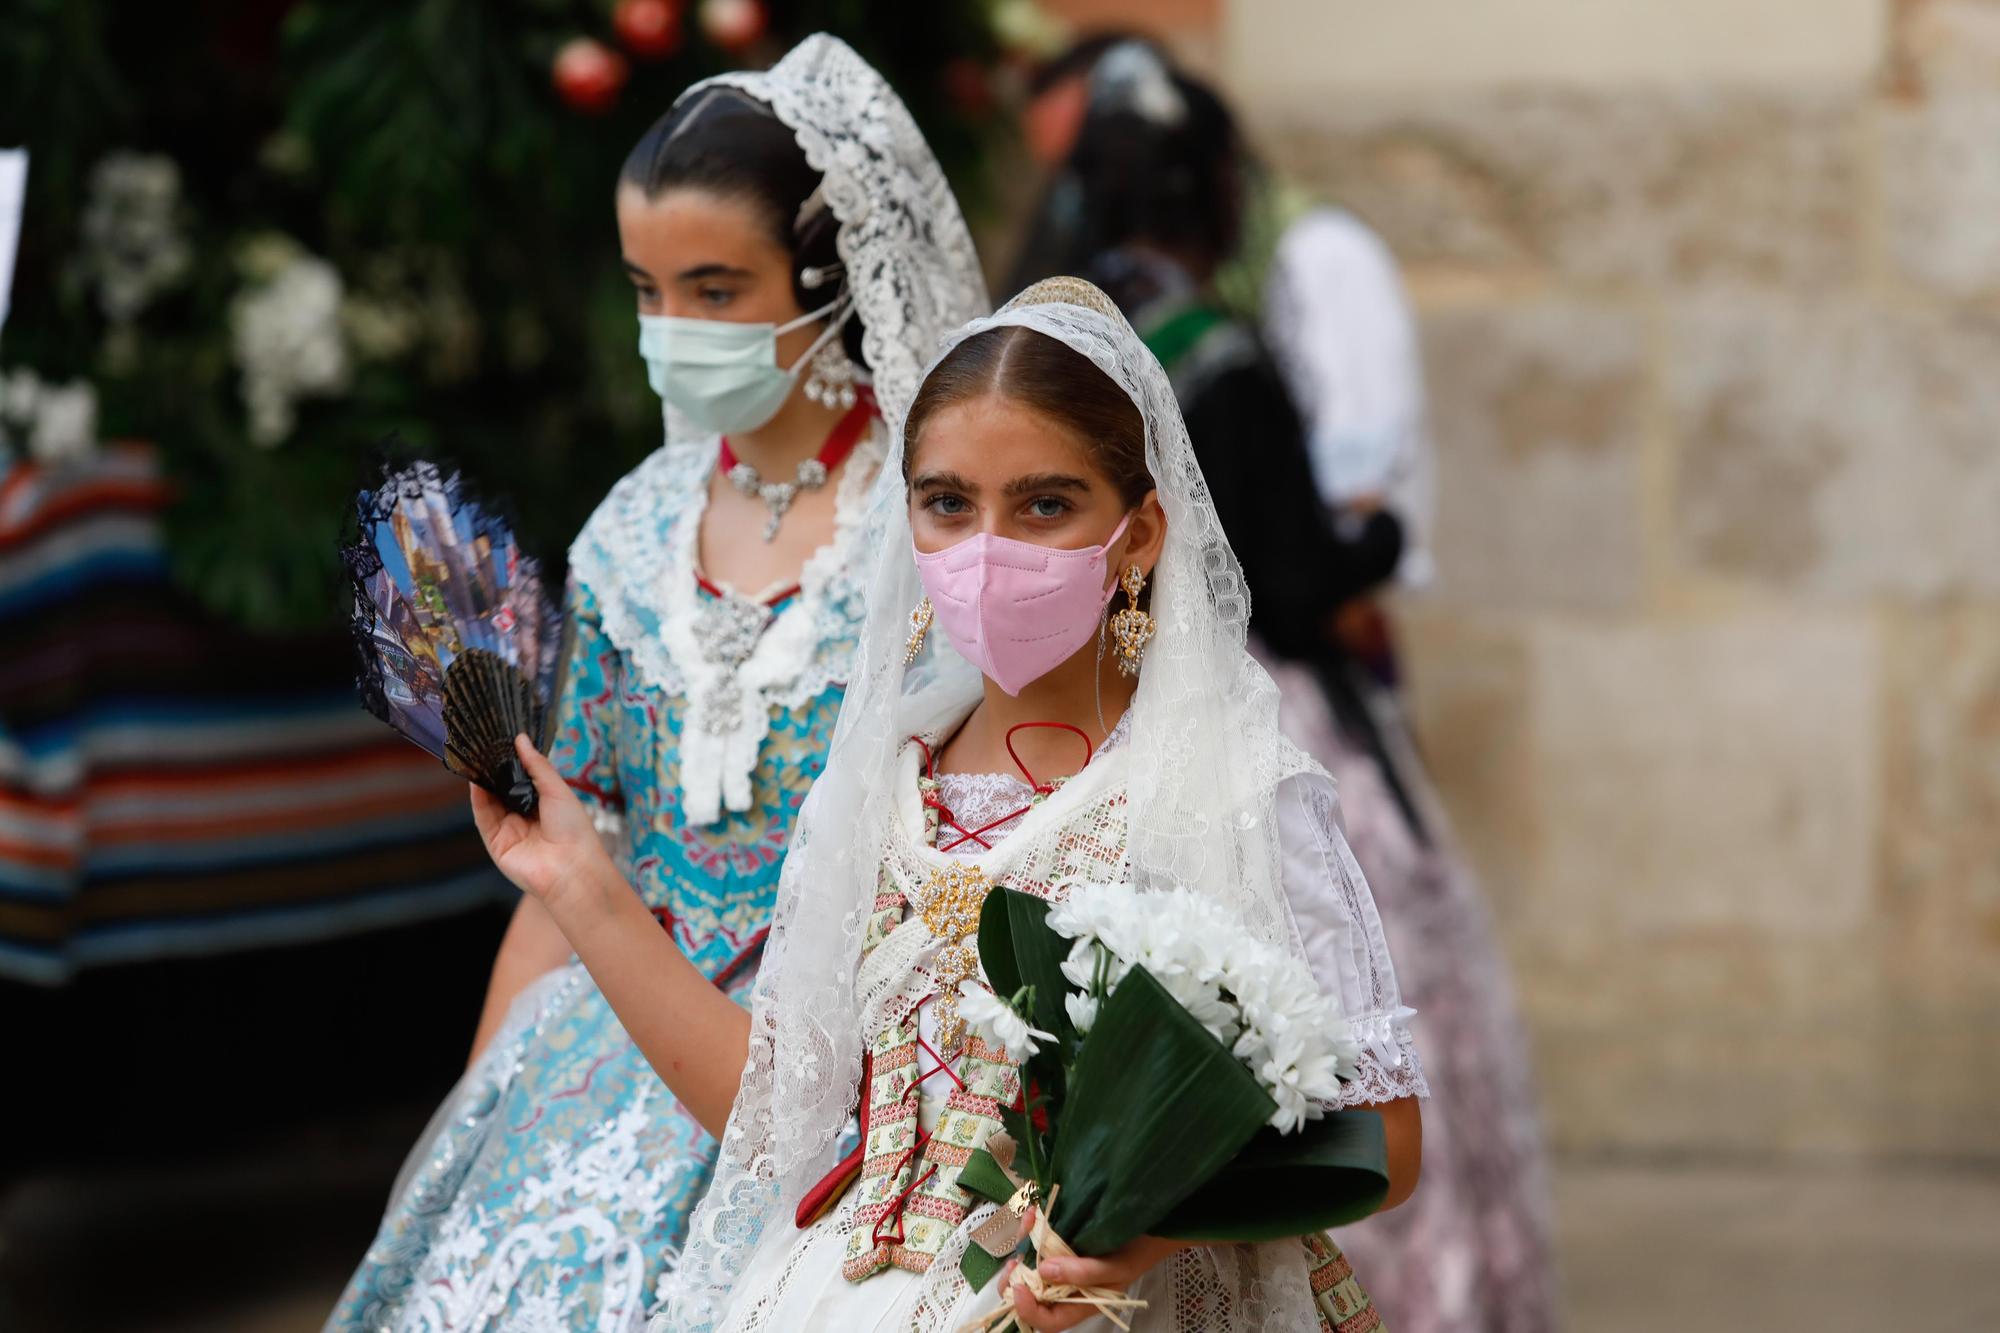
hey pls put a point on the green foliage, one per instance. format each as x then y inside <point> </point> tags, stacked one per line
<point>1156,1106</point>
<point>419,147</point>
<point>1328,1173</point>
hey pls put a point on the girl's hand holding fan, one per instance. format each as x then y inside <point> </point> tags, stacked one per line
<point>553,852</point>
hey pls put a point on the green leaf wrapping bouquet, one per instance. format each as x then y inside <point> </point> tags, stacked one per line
<point>1176,1074</point>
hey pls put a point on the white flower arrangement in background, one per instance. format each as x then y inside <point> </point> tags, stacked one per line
<point>54,423</point>
<point>1256,999</point>
<point>134,247</point>
<point>285,326</point>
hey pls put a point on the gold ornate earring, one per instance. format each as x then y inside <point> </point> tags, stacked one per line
<point>1132,629</point>
<point>920,625</point>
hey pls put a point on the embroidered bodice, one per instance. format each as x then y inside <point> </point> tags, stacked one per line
<point>730,658</point>
<point>693,720</point>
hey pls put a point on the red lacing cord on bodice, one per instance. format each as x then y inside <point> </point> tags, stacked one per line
<point>892,1215</point>
<point>931,800</point>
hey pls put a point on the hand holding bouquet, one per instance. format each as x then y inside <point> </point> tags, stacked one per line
<point>1176,1073</point>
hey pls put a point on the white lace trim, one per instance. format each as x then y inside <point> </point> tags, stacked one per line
<point>606,1189</point>
<point>977,799</point>
<point>639,555</point>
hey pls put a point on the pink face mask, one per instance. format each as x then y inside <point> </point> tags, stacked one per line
<point>1014,609</point>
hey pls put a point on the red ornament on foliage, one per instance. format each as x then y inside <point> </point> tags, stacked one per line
<point>588,74</point>
<point>733,25</point>
<point>970,87</point>
<point>649,29</point>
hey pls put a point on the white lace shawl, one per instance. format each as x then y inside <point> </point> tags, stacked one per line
<point>638,555</point>
<point>1202,774</point>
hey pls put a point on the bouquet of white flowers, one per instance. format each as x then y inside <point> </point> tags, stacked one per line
<point>1177,1074</point>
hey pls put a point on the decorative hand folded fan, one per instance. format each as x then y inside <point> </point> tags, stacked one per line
<point>460,643</point>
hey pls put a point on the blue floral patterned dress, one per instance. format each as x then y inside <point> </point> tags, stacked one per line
<point>553,1188</point>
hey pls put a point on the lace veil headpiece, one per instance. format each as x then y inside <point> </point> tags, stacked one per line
<point>906,252</point>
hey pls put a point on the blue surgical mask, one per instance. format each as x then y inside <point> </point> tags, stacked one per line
<point>721,375</point>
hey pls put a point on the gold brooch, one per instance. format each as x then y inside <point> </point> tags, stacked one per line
<point>952,899</point>
<point>953,896</point>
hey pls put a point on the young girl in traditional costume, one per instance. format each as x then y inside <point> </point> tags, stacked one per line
<point>796,255</point>
<point>994,735</point>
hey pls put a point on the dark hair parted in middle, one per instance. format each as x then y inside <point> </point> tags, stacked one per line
<point>1043,373</point>
<point>729,143</point>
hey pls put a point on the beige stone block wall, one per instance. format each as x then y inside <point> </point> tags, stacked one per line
<point>1304,45</point>
<point>1710,292</point>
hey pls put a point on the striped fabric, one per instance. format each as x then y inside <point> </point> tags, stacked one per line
<point>169,786</point>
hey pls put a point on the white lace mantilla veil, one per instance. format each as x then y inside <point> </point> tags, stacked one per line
<point>1205,760</point>
<point>908,255</point>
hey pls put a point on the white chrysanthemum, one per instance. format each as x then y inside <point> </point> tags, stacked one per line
<point>51,422</point>
<point>993,1016</point>
<point>1082,1008</point>
<point>1080,967</point>
<point>65,424</point>
<point>134,247</point>
<point>1258,1000</point>
<point>287,335</point>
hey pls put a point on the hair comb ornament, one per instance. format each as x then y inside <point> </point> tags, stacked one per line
<point>460,643</point>
<point>1067,291</point>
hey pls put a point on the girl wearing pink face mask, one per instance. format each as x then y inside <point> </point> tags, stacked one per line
<point>1070,699</point>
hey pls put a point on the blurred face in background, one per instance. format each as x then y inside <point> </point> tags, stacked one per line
<point>1053,117</point>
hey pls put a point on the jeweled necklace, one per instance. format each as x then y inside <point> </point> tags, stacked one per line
<point>812,473</point>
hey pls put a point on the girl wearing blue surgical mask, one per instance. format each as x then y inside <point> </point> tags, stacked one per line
<point>715,602</point>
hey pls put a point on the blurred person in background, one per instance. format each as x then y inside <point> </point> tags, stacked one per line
<point>1058,96</point>
<point>715,606</point>
<point>1154,200</point>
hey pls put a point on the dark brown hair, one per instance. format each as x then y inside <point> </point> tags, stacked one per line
<point>1042,373</point>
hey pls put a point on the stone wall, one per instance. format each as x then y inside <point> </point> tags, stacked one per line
<point>1711,299</point>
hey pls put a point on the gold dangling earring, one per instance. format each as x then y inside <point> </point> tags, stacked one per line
<point>1132,629</point>
<point>920,625</point>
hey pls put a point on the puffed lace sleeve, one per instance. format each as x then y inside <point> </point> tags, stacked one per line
<point>586,714</point>
<point>1342,934</point>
